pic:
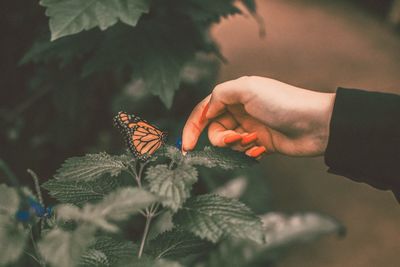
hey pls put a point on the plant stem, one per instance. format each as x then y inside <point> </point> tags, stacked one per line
<point>146,231</point>
<point>35,248</point>
<point>37,185</point>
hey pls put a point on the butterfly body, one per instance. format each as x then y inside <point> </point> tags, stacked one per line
<point>142,138</point>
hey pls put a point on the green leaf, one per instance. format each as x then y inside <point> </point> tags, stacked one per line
<point>72,16</point>
<point>91,167</point>
<point>209,11</point>
<point>94,258</point>
<point>212,216</point>
<point>155,51</point>
<point>13,237</point>
<point>172,185</point>
<point>176,244</point>
<point>80,192</point>
<point>108,251</point>
<point>63,248</point>
<point>63,51</point>
<point>115,207</point>
<point>224,158</point>
<point>9,200</point>
<point>12,234</point>
<point>284,230</point>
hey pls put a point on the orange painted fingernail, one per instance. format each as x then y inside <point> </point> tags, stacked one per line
<point>204,113</point>
<point>256,151</point>
<point>232,138</point>
<point>247,139</point>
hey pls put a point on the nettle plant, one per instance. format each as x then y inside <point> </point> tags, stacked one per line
<point>100,195</point>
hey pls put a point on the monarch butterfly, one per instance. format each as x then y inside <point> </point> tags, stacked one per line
<point>143,139</point>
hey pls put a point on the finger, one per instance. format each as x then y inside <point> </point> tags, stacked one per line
<point>195,124</point>
<point>221,133</point>
<point>256,151</point>
<point>227,93</point>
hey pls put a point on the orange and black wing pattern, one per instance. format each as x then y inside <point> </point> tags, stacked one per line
<point>143,138</point>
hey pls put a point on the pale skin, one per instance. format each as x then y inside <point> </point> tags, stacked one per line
<point>260,116</point>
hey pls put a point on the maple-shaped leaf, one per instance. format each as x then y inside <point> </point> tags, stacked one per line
<point>72,16</point>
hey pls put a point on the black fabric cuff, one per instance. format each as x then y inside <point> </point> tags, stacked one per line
<point>364,140</point>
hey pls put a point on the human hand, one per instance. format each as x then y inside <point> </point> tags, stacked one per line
<point>258,115</point>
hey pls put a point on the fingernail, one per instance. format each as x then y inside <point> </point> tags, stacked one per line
<point>232,138</point>
<point>255,151</point>
<point>184,152</point>
<point>204,113</point>
<point>249,138</point>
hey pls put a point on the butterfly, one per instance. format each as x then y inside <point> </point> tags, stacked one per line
<point>143,138</point>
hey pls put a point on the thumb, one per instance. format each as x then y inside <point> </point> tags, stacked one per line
<point>227,93</point>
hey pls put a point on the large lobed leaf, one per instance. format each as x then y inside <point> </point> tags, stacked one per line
<point>80,192</point>
<point>172,185</point>
<point>73,16</point>
<point>176,244</point>
<point>115,207</point>
<point>91,167</point>
<point>212,216</point>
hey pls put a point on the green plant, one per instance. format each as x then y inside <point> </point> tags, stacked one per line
<point>87,227</point>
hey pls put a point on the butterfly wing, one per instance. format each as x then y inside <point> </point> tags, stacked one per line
<point>143,138</point>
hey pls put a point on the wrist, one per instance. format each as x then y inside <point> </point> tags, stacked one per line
<point>326,105</point>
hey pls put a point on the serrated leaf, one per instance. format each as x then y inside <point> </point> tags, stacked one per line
<point>161,224</point>
<point>224,158</point>
<point>117,206</point>
<point>80,192</point>
<point>166,263</point>
<point>172,185</point>
<point>284,230</point>
<point>213,216</point>
<point>176,244</point>
<point>64,248</point>
<point>9,200</point>
<point>95,258</point>
<point>72,16</point>
<point>91,167</point>
<point>108,249</point>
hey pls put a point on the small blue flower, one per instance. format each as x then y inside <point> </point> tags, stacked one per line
<point>23,215</point>
<point>36,207</point>
<point>178,143</point>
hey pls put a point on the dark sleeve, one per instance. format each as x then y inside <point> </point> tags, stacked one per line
<point>364,139</point>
